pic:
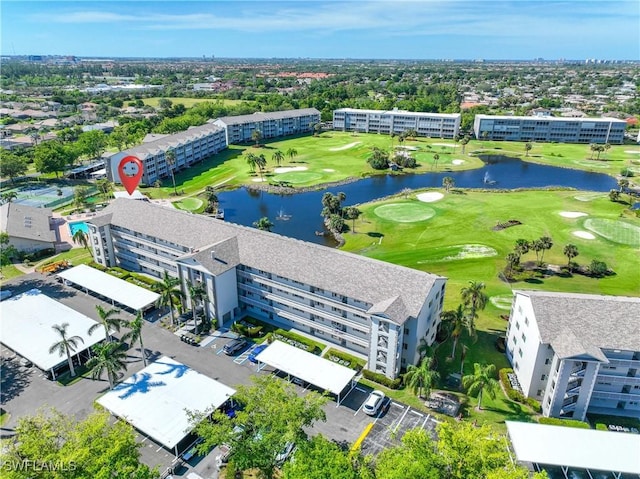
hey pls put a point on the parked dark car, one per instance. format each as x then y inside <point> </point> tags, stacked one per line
<point>234,346</point>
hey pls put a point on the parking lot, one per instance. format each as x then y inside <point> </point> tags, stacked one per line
<point>25,390</point>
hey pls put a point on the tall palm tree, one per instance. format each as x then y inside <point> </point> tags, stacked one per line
<point>448,183</point>
<point>108,320</point>
<point>135,334</point>
<point>108,357</point>
<point>256,135</point>
<point>570,251</point>
<point>261,162</point>
<point>81,238</point>
<point>474,298</point>
<point>527,148</point>
<point>278,157</point>
<point>67,344</point>
<point>622,184</point>
<point>456,321</point>
<point>263,224</point>
<point>251,161</point>
<point>464,142</point>
<point>170,156</point>
<point>168,292</point>
<point>436,157</point>
<point>513,259</point>
<point>421,377</point>
<point>198,294</point>
<point>352,213</point>
<point>481,381</point>
<point>292,153</point>
<point>546,243</point>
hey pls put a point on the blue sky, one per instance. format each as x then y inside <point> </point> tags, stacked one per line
<point>420,29</point>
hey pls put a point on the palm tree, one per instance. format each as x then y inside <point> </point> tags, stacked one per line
<point>421,377</point>
<point>546,243</point>
<point>263,224</point>
<point>256,135</point>
<point>614,195</point>
<point>8,197</point>
<point>474,298</point>
<point>277,157</point>
<point>457,322</point>
<point>622,184</point>
<point>593,147</point>
<point>570,251</point>
<point>171,162</point>
<point>168,292</point>
<point>482,380</point>
<point>537,246</point>
<point>67,344</point>
<point>513,259</point>
<point>108,320</point>
<point>261,162</point>
<point>352,213</point>
<point>464,142</point>
<point>251,161</point>
<point>527,148</point>
<point>436,157</point>
<point>81,238</point>
<point>292,153</point>
<point>448,182</point>
<point>135,334</point>
<point>108,357</point>
<point>198,294</point>
<point>521,247</point>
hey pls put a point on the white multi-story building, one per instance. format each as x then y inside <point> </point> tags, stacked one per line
<point>552,129</point>
<point>577,353</point>
<point>272,124</point>
<point>431,125</point>
<point>374,309</point>
<point>189,147</point>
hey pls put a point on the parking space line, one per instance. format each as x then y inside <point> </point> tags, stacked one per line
<point>426,419</point>
<point>395,429</point>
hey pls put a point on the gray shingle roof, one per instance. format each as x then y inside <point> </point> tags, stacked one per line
<point>28,222</point>
<point>274,115</point>
<point>578,324</point>
<point>369,280</point>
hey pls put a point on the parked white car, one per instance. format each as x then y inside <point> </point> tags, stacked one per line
<point>374,403</point>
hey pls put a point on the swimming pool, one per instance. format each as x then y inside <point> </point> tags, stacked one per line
<point>78,226</point>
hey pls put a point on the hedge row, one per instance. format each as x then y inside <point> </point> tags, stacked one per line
<point>554,421</point>
<point>382,379</point>
<point>353,362</point>
<point>297,340</point>
<point>97,266</point>
<point>514,395</point>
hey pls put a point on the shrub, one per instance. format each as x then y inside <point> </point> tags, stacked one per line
<point>230,472</point>
<point>512,394</point>
<point>626,172</point>
<point>382,379</point>
<point>533,404</point>
<point>601,427</point>
<point>353,362</point>
<point>97,266</point>
<point>297,340</point>
<point>598,268</point>
<point>554,421</point>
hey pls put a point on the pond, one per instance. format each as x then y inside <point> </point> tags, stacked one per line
<point>298,216</point>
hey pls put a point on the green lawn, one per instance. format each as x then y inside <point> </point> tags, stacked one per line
<point>189,102</point>
<point>9,271</point>
<point>75,255</point>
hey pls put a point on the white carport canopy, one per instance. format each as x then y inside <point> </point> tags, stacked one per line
<point>26,324</point>
<point>609,451</point>
<point>155,400</point>
<point>109,286</point>
<point>313,369</point>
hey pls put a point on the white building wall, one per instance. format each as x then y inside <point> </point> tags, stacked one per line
<point>29,245</point>
<point>226,296</point>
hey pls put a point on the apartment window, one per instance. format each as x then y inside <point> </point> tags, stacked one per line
<point>517,325</point>
<point>406,330</point>
<point>526,321</point>
<point>516,366</point>
<point>524,338</point>
<point>539,392</point>
<point>520,352</point>
<point>543,377</point>
<point>519,309</point>
<point>404,346</point>
<point>547,361</point>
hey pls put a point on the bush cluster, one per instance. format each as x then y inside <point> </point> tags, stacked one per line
<point>382,379</point>
<point>554,421</point>
<point>296,340</point>
<point>352,361</point>
<point>97,266</point>
<point>512,394</point>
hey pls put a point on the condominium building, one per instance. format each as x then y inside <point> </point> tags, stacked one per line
<point>374,309</point>
<point>577,353</point>
<point>189,147</point>
<point>547,128</point>
<point>272,125</point>
<point>431,125</point>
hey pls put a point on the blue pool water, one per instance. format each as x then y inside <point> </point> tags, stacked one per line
<point>78,226</point>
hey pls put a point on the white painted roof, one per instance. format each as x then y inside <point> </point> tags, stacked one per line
<point>109,286</point>
<point>155,400</point>
<point>313,369</point>
<point>26,324</point>
<point>572,447</point>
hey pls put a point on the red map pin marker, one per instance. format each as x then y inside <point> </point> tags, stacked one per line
<point>130,169</point>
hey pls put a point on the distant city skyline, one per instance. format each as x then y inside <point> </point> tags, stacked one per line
<point>427,29</point>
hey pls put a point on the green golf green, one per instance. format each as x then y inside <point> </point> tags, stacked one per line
<point>297,177</point>
<point>617,231</point>
<point>405,212</point>
<point>189,204</point>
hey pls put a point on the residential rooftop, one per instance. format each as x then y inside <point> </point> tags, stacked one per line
<point>401,112</point>
<point>395,290</point>
<point>27,222</point>
<point>262,116</point>
<point>577,324</point>
<point>549,118</point>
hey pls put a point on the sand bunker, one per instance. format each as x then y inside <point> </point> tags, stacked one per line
<point>345,147</point>
<point>430,197</point>
<point>445,144</point>
<point>583,235</point>
<point>259,180</point>
<point>328,170</point>
<point>572,214</point>
<point>410,148</point>
<point>457,162</point>
<point>633,152</point>
<point>287,169</point>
